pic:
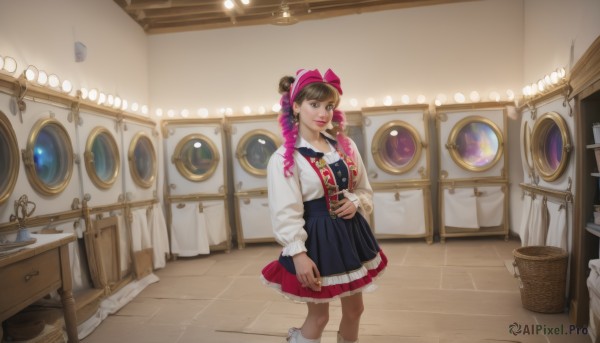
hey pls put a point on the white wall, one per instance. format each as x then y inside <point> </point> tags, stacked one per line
<point>550,27</point>
<point>445,48</point>
<point>43,33</point>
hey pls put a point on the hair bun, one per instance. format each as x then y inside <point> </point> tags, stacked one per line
<point>285,84</point>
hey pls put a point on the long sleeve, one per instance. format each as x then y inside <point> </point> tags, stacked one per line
<point>363,189</point>
<point>286,206</point>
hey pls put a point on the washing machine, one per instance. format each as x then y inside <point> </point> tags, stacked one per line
<point>473,169</point>
<point>548,160</point>
<point>140,159</point>
<point>399,167</point>
<point>252,141</point>
<point>196,185</point>
<point>44,129</point>
<point>99,136</point>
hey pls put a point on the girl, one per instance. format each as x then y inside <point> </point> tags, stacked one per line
<point>318,193</point>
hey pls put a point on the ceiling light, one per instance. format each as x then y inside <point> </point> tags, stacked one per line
<point>202,112</point>
<point>228,4</point>
<point>31,73</point>
<point>125,105</point>
<point>185,113</point>
<point>171,113</point>
<point>42,78</point>
<point>101,98</point>
<point>159,112</point>
<point>247,110</point>
<point>421,99</point>
<point>135,107</point>
<point>370,102</point>
<point>284,15</point>
<point>405,99</point>
<point>262,110</point>
<point>276,108</point>
<point>93,94</point>
<point>53,81</point>
<point>459,97</point>
<point>144,109</point>
<point>67,87</point>
<point>118,102</point>
<point>353,102</point>
<point>245,2</point>
<point>10,65</point>
<point>388,101</point>
<point>494,96</point>
<point>84,93</point>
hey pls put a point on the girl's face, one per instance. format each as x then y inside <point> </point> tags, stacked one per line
<point>315,115</point>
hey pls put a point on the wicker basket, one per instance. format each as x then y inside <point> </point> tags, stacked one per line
<point>542,271</point>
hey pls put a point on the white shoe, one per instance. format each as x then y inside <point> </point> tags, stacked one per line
<point>295,336</point>
<point>340,339</point>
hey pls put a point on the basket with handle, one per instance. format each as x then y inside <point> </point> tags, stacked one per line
<point>542,271</point>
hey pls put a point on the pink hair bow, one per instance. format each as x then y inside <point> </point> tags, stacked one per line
<point>305,77</point>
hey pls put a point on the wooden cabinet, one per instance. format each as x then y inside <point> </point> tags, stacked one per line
<point>28,275</point>
<point>585,84</point>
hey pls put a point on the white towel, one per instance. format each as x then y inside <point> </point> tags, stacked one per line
<point>124,244</point>
<point>216,226</point>
<point>557,226</point>
<point>159,236</point>
<point>403,213</point>
<point>537,231</point>
<point>490,206</point>
<point>460,208</point>
<point>140,232</point>
<point>525,217</point>
<point>188,230</point>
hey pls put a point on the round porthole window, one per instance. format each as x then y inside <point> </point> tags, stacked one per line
<point>48,158</point>
<point>142,160</point>
<point>551,145</point>
<point>475,143</point>
<point>102,160</point>
<point>396,147</point>
<point>196,157</point>
<point>9,154</point>
<point>254,150</point>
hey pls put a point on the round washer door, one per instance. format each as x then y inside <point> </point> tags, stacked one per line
<point>254,150</point>
<point>196,157</point>
<point>551,145</point>
<point>396,147</point>
<point>102,160</point>
<point>9,154</point>
<point>142,160</point>
<point>48,158</point>
<point>475,143</point>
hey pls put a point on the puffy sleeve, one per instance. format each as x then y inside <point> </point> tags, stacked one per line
<point>286,207</point>
<point>363,190</point>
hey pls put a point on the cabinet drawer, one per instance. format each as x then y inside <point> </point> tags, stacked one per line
<point>25,281</point>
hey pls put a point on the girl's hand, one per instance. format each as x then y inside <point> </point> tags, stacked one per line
<point>346,209</point>
<point>307,272</point>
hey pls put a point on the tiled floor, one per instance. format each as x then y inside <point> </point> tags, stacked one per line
<point>458,291</point>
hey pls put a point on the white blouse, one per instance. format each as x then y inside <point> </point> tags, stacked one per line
<point>287,194</point>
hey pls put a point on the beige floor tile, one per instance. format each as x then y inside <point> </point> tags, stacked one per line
<point>422,254</point>
<point>193,287</point>
<point>398,276</point>
<point>456,292</point>
<point>229,315</point>
<point>457,278</point>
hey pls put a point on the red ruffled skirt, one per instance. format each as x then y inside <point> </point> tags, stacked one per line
<point>345,252</point>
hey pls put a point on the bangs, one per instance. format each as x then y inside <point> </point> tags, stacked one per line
<point>321,92</point>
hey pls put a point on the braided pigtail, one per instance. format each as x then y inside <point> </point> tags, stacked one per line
<point>289,131</point>
<point>339,118</point>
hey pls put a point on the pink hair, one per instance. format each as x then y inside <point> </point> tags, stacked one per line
<point>289,131</point>
<point>340,118</point>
